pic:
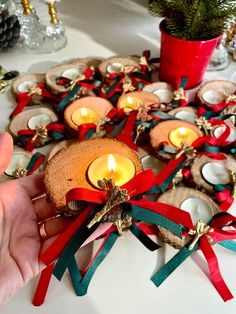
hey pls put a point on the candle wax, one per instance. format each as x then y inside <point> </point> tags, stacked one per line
<point>71,74</point>
<point>221,129</point>
<point>198,209</point>
<point>212,97</point>
<point>84,115</point>
<point>25,86</point>
<point>165,95</point>
<point>186,116</point>
<point>150,162</point>
<point>182,135</point>
<point>39,120</point>
<point>129,104</point>
<point>122,170</point>
<point>215,173</point>
<point>18,160</point>
<point>114,67</point>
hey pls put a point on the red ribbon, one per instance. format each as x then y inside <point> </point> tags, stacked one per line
<point>29,146</point>
<point>225,199</point>
<point>126,135</point>
<point>24,99</point>
<point>219,234</point>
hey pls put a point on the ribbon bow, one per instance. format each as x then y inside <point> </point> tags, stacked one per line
<point>179,94</point>
<point>204,236</point>
<point>24,99</point>
<point>35,162</point>
<point>87,204</point>
<point>30,138</point>
<point>201,229</point>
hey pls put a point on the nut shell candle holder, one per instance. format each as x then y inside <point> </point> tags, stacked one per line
<point>24,82</point>
<point>69,71</point>
<point>198,204</point>
<point>161,89</point>
<point>208,172</point>
<point>86,110</point>
<point>118,64</point>
<point>173,133</point>
<point>135,100</point>
<point>215,92</point>
<point>59,180</point>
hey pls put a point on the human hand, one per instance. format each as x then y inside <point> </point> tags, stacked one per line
<point>20,213</point>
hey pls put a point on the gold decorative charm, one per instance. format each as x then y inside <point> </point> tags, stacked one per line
<point>177,179</point>
<point>74,82</point>
<point>127,85</point>
<point>34,90</point>
<point>188,150</point>
<point>229,110</point>
<point>143,61</point>
<point>41,132</point>
<point>203,124</point>
<point>179,94</point>
<point>123,224</point>
<point>143,113</point>
<point>100,124</point>
<point>139,130</point>
<point>233,181</point>
<point>201,229</point>
<point>115,197</point>
<point>19,173</point>
<point>53,13</point>
<point>229,98</point>
<point>126,68</point>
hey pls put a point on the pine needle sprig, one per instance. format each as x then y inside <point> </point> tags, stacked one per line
<point>194,19</point>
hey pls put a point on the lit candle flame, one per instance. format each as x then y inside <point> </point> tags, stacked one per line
<point>84,112</point>
<point>182,131</point>
<point>129,100</point>
<point>111,163</point>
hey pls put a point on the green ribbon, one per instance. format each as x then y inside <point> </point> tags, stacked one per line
<point>67,99</point>
<point>162,274</point>
<point>80,282</point>
<point>119,128</point>
<point>142,214</point>
<point>230,245</point>
<point>143,238</point>
<point>72,247</point>
<point>33,160</point>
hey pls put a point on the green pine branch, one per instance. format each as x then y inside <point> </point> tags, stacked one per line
<point>194,19</point>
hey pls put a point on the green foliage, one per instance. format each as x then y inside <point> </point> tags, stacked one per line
<point>194,19</point>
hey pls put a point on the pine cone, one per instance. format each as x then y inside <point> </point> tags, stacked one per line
<point>9,30</point>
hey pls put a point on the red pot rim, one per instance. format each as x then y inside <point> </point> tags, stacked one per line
<point>162,29</point>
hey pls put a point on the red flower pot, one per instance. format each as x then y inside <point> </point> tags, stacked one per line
<point>181,57</point>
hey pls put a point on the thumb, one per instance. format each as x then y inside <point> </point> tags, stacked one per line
<point>6,149</point>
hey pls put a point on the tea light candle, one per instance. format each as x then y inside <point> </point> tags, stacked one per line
<point>186,116</point>
<point>116,166</point>
<point>221,129</point>
<point>39,120</point>
<point>84,115</point>
<point>215,173</point>
<point>212,97</point>
<point>165,95</point>
<point>150,162</point>
<point>18,160</point>
<point>114,67</point>
<point>182,135</point>
<point>71,74</point>
<point>198,209</point>
<point>25,86</point>
<point>130,103</point>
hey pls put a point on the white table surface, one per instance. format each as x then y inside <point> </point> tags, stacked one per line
<point>122,283</point>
